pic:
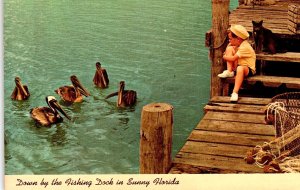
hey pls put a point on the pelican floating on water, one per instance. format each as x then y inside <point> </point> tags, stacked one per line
<point>72,93</point>
<point>48,115</point>
<point>101,78</point>
<point>21,91</point>
<point>125,97</point>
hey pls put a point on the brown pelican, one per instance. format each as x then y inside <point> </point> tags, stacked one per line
<point>21,91</point>
<point>100,79</point>
<point>72,93</point>
<point>48,115</point>
<point>125,97</point>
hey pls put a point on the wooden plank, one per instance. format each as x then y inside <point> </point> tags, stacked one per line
<point>285,57</point>
<point>275,17</point>
<point>228,138</point>
<point>215,149</point>
<point>278,6</point>
<point>211,161</point>
<point>242,100</point>
<point>235,127</point>
<point>270,81</point>
<point>229,107</point>
<point>238,117</point>
<point>191,169</point>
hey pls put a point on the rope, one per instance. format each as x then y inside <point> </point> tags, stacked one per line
<point>212,46</point>
<point>291,164</point>
<point>275,108</point>
<point>263,154</point>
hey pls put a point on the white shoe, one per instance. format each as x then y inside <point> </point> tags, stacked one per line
<point>226,74</point>
<point>234,97</point>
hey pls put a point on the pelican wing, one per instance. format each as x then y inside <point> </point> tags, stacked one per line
<point>67,93</point>
<point>43,115</point>
<point>129,97</point>
<point>96,79</point>
<point>14,94</point>
<point>105,77</point>
<point>20,93</point>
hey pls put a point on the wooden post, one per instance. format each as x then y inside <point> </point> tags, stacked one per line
<point>220,24</point>
<point>156,138</point>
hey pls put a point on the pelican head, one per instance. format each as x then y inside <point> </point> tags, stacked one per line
<point>21,91</point>
<point>79,86</point>
<point>53,104</point>
<point>98,65</point>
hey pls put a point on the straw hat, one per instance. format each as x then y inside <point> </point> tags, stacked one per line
<point>239,31</point>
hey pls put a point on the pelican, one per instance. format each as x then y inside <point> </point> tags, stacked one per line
<point>48,115</point>
<point>101,78</point>
<point>72,93</point>
<point>125,97</point>
<point>21,91</point>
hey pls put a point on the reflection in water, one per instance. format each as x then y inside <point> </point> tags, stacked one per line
<point>120,112</point>
<point>64,103</point>
<point>124,120</point>
<point>20,105</point>
<point>59,137</point>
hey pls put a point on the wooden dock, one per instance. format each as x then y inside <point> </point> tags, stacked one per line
<point>275,17</point>
<point>221,139</point>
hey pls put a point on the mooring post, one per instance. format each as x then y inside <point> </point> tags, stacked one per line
<point>220,24</point>
<point>156,138</point>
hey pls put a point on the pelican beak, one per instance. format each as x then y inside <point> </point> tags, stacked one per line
<point>20,86</point>
<point>120,98</point>
<point>79,86</point>
<point>120,93</point>
<point>56,106</point>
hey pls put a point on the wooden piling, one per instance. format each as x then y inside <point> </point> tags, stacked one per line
<point>220,24</point>
<point>156,138</point>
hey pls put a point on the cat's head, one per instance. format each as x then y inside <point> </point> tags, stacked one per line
<point>257,26</point>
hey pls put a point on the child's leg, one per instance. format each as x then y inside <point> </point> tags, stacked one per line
<point>241,73</point>
<point>230,50</point>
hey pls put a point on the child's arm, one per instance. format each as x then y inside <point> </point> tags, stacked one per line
<point>230,57</point>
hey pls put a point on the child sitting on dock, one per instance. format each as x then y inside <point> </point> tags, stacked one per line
<point>230,51</point>
<point>241,60</point>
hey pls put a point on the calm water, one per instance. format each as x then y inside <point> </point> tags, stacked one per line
<point>156,46</point>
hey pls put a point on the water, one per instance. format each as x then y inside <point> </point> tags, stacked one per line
<point>157,47</point>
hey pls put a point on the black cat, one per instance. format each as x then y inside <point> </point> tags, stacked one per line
<point>265,40</point>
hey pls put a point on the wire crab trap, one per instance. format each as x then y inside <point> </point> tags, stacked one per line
<point>284,113</point>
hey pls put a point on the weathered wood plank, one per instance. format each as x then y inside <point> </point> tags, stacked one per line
<point>278,6</point>
<point>285,57</point>
<point>221,162</point>
<point>191,169</point>
<point>235,127</point>
<point>215,149</point>
<point>228,138</point>
<point>242,100</point>
<point>229,107</point>
<point>275,17</point>
<point>271,81</point>
<point>238,117</point>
